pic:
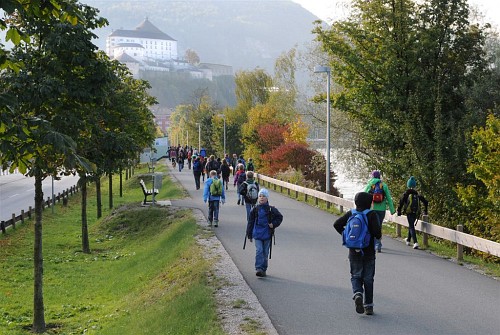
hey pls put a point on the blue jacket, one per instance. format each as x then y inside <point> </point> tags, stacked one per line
<point>259,219</point>
<point>197,166</point>
<point>208,196</point>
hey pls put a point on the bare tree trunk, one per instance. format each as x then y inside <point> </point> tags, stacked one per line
<point>85,230</point>
<point>110,176</point>
<point>38,307</point>
<point>98,196</point>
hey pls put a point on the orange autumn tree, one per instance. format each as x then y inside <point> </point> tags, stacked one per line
<point>270,136</point>
<point>274,135</point>
<point>295,155</point>
<point>281,154</point>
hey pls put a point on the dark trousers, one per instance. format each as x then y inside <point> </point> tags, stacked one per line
<point>381,216</point>
<point>362,277</point>
<point>213,210</point>
<point>412,217</point>
<point>197,176</point>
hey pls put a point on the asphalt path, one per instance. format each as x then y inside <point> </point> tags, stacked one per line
<point>308,290</point>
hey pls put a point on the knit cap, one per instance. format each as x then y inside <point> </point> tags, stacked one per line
<point>412,182</point>
<point>363,200</point>
<point>264,192</point>
<point>376,174</point>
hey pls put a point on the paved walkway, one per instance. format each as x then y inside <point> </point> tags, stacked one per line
<point>308,290</point>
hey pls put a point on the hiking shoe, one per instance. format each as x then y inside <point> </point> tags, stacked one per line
<point>238,201</point>
<point>216,223</point>
<point>369,310</point>
<point>379,250</point>
<point>407,241</point>
<point>415,246</point>
<point>260,273</point>
<point>209,223</point>
<point>358,302</point>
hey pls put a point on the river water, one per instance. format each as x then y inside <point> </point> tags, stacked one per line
<point>351,173</point>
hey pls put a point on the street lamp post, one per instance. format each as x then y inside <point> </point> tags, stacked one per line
<point>322,69</point>
<point>224,118</point>
<point>199,137</point>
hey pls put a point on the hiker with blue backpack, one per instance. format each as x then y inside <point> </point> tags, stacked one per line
<point>213,192</point>
<point>359,228</point>
<point>409,204</point>
<point>381,199</point>
<point>262,222</point>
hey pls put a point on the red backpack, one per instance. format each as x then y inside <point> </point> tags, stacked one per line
<point>377,191</point>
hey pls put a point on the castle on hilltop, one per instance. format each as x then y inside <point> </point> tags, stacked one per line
<point>147,48</point>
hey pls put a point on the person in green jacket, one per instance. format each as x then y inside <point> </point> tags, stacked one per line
<point>381,198</point>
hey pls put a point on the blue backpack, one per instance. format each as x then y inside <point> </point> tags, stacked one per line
<point>356,234</point>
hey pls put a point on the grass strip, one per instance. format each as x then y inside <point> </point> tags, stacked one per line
<point>145,274</point>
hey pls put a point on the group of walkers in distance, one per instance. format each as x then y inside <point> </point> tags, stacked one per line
<point>360,227</point>
<point>261,218</point>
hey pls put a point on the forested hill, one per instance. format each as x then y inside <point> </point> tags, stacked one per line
<point>244,34</point>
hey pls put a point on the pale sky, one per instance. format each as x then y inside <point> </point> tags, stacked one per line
<point>328,9</point>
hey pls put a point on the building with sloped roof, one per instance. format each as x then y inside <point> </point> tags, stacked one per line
<point>147,48</point>
<point>132,64</point>
<point>145,42</point>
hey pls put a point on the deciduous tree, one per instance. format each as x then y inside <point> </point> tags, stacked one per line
<point>403,66</point>
<point>482,199</point>
<point>48,88</point>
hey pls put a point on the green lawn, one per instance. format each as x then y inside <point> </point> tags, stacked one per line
<point>145,275</point>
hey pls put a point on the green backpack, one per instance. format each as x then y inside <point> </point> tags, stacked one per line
<point>216,188</point>
<point>412,205</point>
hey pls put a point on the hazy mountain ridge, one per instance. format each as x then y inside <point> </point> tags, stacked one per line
<point>243,34</point>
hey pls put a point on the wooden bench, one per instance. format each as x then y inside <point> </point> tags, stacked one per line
<point>146,191</point>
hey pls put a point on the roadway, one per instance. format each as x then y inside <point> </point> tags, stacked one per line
<point>308,291</point>
<point>17,192</point>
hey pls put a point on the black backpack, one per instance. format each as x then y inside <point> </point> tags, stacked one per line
<point>412,205</point>
<point>241,178</point>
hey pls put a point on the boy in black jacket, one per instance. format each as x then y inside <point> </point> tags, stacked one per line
<point>362,262</point>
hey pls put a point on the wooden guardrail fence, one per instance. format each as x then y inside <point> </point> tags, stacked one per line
<point>47,203</point>
<point>456,236</point>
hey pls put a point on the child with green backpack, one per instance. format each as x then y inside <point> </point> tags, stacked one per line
<point>213,192</point>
